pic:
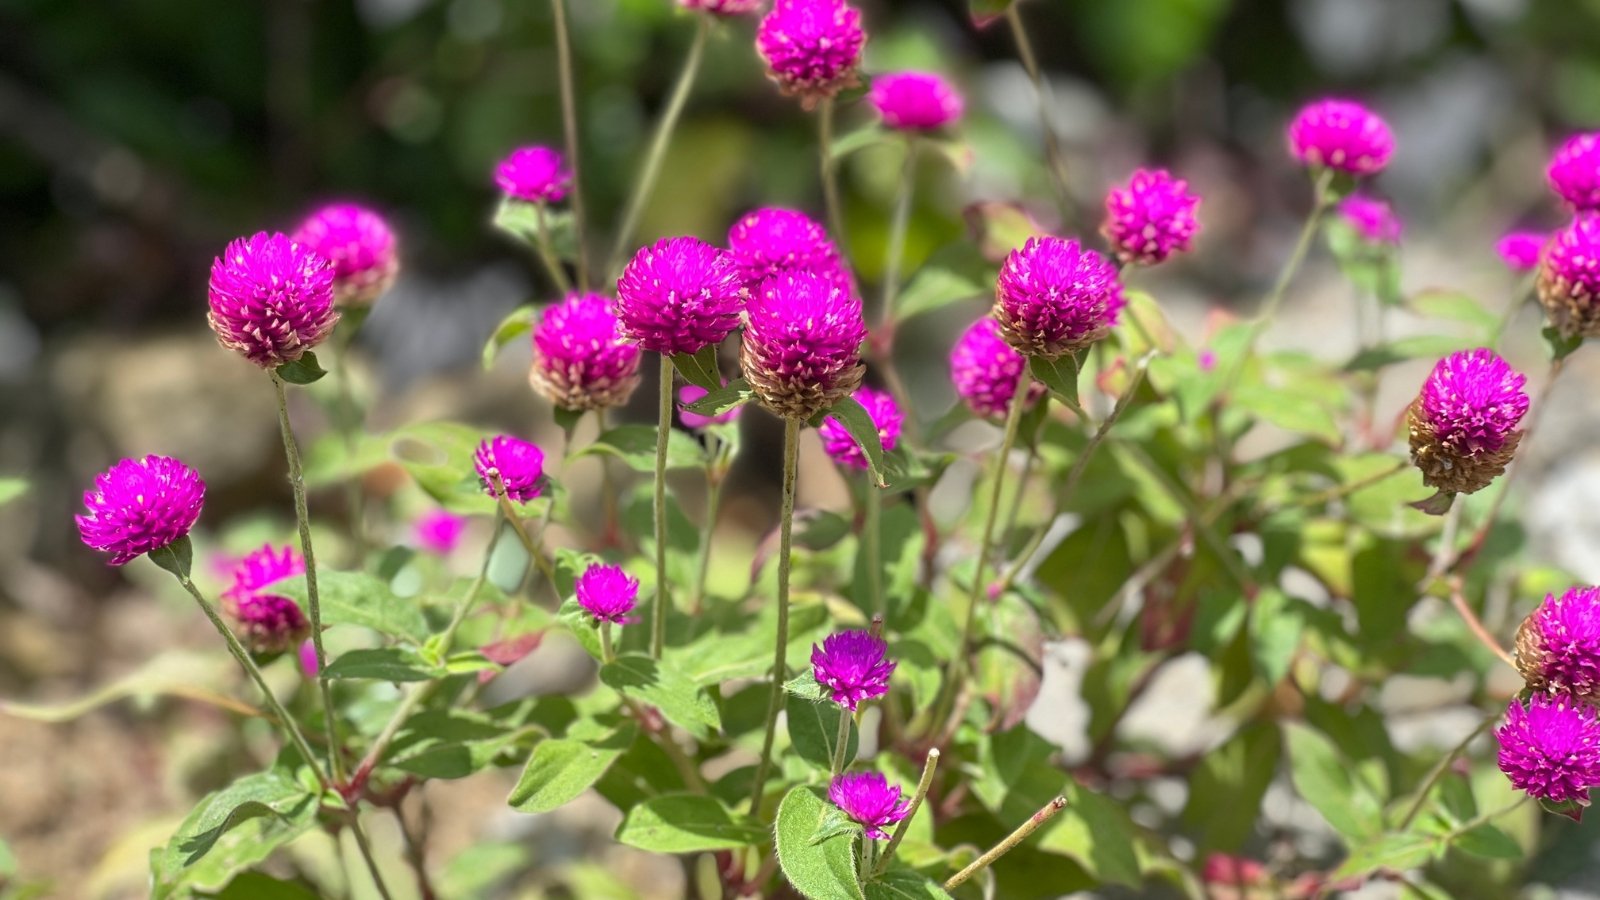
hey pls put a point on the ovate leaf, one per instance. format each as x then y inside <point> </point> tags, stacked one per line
<point>562,768</point>
<point>356,598</point>
<point>305,370</point>
<point>855,419</point>
<point>819,870</point>
<point>635,445</point>
<point>679,699</point>
<point>688,823</point>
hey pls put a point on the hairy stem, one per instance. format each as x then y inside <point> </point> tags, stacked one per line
<point>569,126</point>
<point>547,252</point>
<point>1052,144</point>
<point>791,460</point>
<point>872,539</point>
<point>366,854</point>
<point>658,627</point>
<point>894,252</point>
<point>842,743</point>
<point>1006,846</point>
<point>1438,770</point>
<point>534,546</point>
<point>928,767</point>
<point>714,479</point>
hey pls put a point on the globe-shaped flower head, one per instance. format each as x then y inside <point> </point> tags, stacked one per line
<point>723,7</point>
<point>1520,249</point>
<point>140,505</point>
<point>1569,278</point>
<point>985,370</point>
<point>1550,748</point>
<point>1055,297</point>
<point>518,464</point>
<point>1558,646</point>
<point>581,359</point>
<point>271,299</point>
<point>1150,219</point>
<point>1341,135</point>
<point>679,295</point>
<point>1373,220</point>
<point>852,666</point>
<point>867,799</point>
<point>885,414</point>
<point>802,347</point>
<point>1575,172</point>
<point>1463,425</point>
<point>534,174</point>
<point>607,593</point>
<point>770,240</point>
<point>915,101</point>
<point>812,47</point>
<point>267,621</point>
<point>361,246</point>
<point>438,531</point>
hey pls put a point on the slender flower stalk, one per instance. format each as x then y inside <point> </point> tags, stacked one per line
<point>1052,144</point>
<point>1010,843</point>
<point>716,474</point>
<point>547,251</point>
<point>830,179</point>
<point>297,481</point>
<point>1320,204</point>
<point>894,252</point>
<point>872,530</point>
<point>928,767</point>
<point>532,545</point>
<point>354,823</point>
<point>644,187</point>
<point>658,628</point>
<point>791,460</point>
<point>569,125</point>
<point>841,743</point>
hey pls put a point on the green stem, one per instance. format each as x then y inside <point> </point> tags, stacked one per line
<point>1052,144</point>
<point>872,526</point>
<point>842,744</point>
<point>349,419</point>
<point>1006,846</point>
<point>658,629</point>
<point>366,854</point>
<point>608,486</point>
<point>1525,292</point>
<point>791,460</point>
<point>297,481</point>
<point>1438,770</point>
<point>928,767</point>
<point>830,181</point>
<point>894,253</point>
<point>547,253</point>
<point>607,654</point>
<point>644,187</point>
<point>714,479</point>
<point>569,125</point>
<point>534,547</point>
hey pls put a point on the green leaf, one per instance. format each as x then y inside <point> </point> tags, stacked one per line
<point>935,287</point>
<point>11,489</point>
<point>700,368</point>
<point>1225,790</point>
<point>1324,779</point>
<point>439,455</point>
<point>678,698</point>
<point>383,664</point>
<point>521,220</point>
<point>688,823</point>
<point>513,326</point>
<point>455,743</point>
<point>1488,842</point>
<point>241,824</point>
<point>562,768</point>
<point>717,656</point>
<point>855,419</point>
<point>824,870</point>
<point>904,884</point>
<point>1456,308</point>
<point>1286,410</point>
<point>814,730</point>
<point>356,598</point>
<point>177,557</point>
<point>305,370</point>
<point>1423,346</point>
<point>860,139</point>
<point>733,394</point>
<point>257,886</point>
<point>1276,624</point>
<point>1060,375</point>
<point>1561,346</point>
<point>1094,830</point>
<point>1397,852</point>
<point>635,445</point>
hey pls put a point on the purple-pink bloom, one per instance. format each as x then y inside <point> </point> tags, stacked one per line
<point>1558,647</point>
<point>812,47</point>
<point>841,446</point>
<point>915,101</point>
<point>1520,249</point>
<point>985,370</point>
<point>723,7</point>
<point>679,295</point>
<point>1150,219</point>
<point>607,593</point>
<point>1341,135</point>
<point>1055,297</point>
<point>1550,748</point>
<point>688,394</point>
<point>773,239</point>
<point>1575,172</point>
<point>438,531</point>
<point>852,666</point>
<point>361,246</point>
<point>140,505</point>
<point>1372,219</point>
<point>271,299</point>
<point>801,351</point>
<point>308,659</point>
<point>867,799</point>
<point>518,464</point>
<point>268,621</point>
<point>581,358</point>
<point>1474,401</point>
<point>1569,278</point>
<point>535,174</point>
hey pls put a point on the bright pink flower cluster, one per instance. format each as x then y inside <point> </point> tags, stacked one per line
<point>438,531</point>
<point>679,295</point>
<point>812,47</point>
<point>1372,219</point>
<point>1055,297</point>
<point>885,414</point>
<point>852,666</point>
<point>359,244</point>
<point>535,174</point>
<point>1575,172</point>
<point>1569,278</point>
<point>1520,249</point>
<point>915,101</point>
<point>868,800</point>
<point>1150,219</point>
<point>1562,643</point>
<point>140,505</point>
<point>607,593</point>
<point>802,346</point>
<point>985,370</point>
<point>268,621</point>
<point>1341,135</point>
<point>518,464</point>
<point>773,239</point>
<point>1550,747</point>
<point>271,299</point>
<point>581,359</point>
<point>1474,400</point>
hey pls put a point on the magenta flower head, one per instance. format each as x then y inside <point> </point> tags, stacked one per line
<point>1341,135</point>
<point>607,593</point>
<point>679,295</point>
<point>867,799</point>
<point>1550,748</point>
<point>770,240</point>
<point>140,505</point>
<point>688,394</point>
<point>438,531</point>
<point>1463,425</point>
<point>1150,219</point>
<point>1371,218</point>
<point>361,247</point>
<point>269,622</point>
<point>852,666</point>
<point>802,346</point>
<point>1054,297</point>
<point>884,412</point>
<point>581,359</point>
<point>534,174</point>
<point>1520,250</point>
<point>1569,278</point>
<point>1575,172</point>
<point>723,7</point>
<point>812,47</point>
<point>985,370</point>
<point>518,464</point>
<point>271,299</point>
<point>915,101</point>
<point>1558,646</point>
